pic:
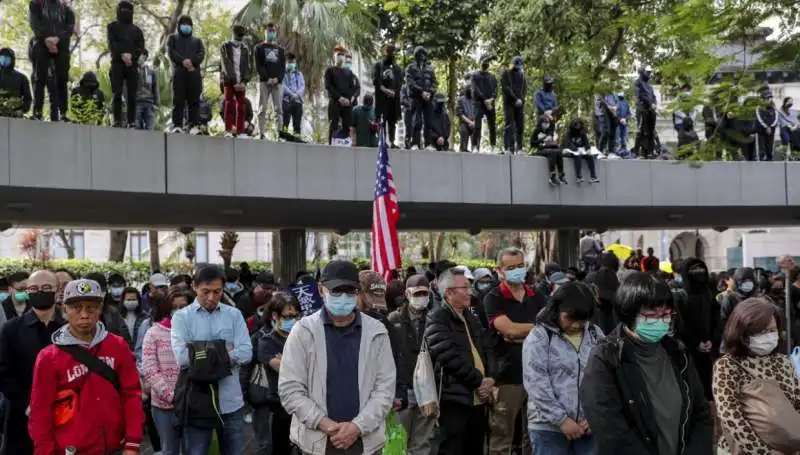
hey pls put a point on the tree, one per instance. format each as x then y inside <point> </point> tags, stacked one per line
<point>66,240</point>
<point>118,242</point>
<point>227,243</point>
<point>155,254</point>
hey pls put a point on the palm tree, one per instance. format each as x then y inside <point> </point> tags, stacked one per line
<point>227,243</point>
<point>311,28</point>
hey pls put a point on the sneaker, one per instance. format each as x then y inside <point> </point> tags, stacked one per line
<point>176,130</point>
<point>562,180</point>
<point>414,147</point>
<point>579,180</point>
<point>194,131</point>
<point>595,180</point>
<point>553,181</point>
<point>36,117</point>
<point>244,136</point>
<point>229,134</point>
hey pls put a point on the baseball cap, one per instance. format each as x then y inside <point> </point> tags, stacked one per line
<point>340,273</point>
<point>558,278</point>
<point>116,278</point>
<point>417,282</point>
<point>266,278</point>
<point>371,282</point>
<point>83,289</point>
<point>464,270</point>
<point>159,280</point>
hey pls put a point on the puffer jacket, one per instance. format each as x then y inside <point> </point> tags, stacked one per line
<point>420,77</point>
<point>552,371</point>
<point>449,346</point>
<point>614,397</point>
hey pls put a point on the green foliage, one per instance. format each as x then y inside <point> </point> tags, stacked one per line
<point>9,105</point>
<point>85,111</point>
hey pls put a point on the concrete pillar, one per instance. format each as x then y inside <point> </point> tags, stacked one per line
<point>567,241</point>
<point>289,254</point>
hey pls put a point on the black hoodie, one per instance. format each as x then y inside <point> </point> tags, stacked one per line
<point>440,123</point>
<point>576,137</point>
<point>607,283</point>
<point>339,82</point>
<point>699,315</point>
<point>13,83</point>
<point>181,47</point>
<point>124,37</point>
<point>51,18</point>
<point>89,89</point>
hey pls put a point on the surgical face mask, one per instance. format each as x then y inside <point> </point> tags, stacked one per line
<point>116,291</point>
<point>43,300</point>
<point>21,296</point>
<point>271,36</point>
<point>747,286</point>
<point>483,286</point>
<point>679,279</point>
<point>342,305</point>
<point>186,29</point>
<point>142,60</point>
<point>5,61</point>
<point>291,66</point>
<point>652,331</point>
<point>130,305</point>
<point>287,324</point>
<point>232,286</point>
<point>518,68</point>
<point>419,303</point>
<point>545,126</point>
<point>515,276</point>
<point>348,65</point>
<point>763,344</point>
<point>3,296</point>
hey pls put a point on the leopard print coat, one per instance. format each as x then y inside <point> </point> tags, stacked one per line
<point>727,384</point>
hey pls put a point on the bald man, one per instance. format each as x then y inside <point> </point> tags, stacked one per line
<point>20,342</point>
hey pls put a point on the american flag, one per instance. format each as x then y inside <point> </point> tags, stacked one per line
<point>385,213</point>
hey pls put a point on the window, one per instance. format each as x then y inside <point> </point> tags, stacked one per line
<point>201,247</point>
<point>57,248</point>
<point>137,244</point>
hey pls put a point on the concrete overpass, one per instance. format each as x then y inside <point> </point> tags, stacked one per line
<point>65,174</point>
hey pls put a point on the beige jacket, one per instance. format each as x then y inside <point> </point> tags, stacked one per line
<point>302,383</point>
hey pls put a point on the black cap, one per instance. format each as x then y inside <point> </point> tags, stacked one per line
<point>266,278</point>
<point>116,278</point>
<point>340,273</point>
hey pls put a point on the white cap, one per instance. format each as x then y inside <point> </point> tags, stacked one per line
<point>465,270</point>
<point>159,280</point>
<point>482,272</point>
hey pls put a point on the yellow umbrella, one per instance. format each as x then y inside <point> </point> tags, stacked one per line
<point>620,251</point>
<point>665,266</point>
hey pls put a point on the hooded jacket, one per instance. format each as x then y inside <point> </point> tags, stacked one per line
<point>420,77</point>
<point>544,138</point>
<point>576,137</point>
<point>645,96</point>
<point>14,84</point>
<point>729,300</point>
<point>484,86</point>
<point>125,37</point>
<point>51,18</point>
<point>230,74</point>
<point>388,74</point>
<point>440,123</point>
<point>464,108</point>
<point>607,282</point>
<point>181,47</point>
<point>514,85</point>
<point>614,396</point>
<point>89,89</point>
<point>339,82</point>
<point>699,315</point>
<point>104,420</point>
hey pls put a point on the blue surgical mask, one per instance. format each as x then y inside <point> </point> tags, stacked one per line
<point>652,331</point>
<point>515,276</point>
<point>186,29</point>
<point>341,305</point>
<point>679,279</point>
<point>272,36</point>
<point>287,324</point>
<point>5,61</point>
<point>21,296</point>
<point>3,296</point>
<point>483,286</point>
<point>232,286</point>
<point>348,65</point>
<point>116,291</point>
<point>291,66</point>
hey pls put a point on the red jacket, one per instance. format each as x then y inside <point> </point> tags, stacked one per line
<point>104,420</point>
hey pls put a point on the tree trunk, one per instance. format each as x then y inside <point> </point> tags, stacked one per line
<point>545,243</point>
<point>155,259</point>
<point>438,247</point>
<point>66,240</point>
<point>118,241</point>
<point>452,89</point>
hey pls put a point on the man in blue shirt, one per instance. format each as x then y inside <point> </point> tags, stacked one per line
<point>294,88</point>
<point>623,113</point>
<point>205,320</point>
<point>546,100</point>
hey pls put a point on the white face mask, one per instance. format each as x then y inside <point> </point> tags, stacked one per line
<point>746,286</point>
<point>419,303</point>
<point>763,344</point>
<point>131,305</point>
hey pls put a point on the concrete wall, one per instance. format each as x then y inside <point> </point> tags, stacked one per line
<point>58,155</point>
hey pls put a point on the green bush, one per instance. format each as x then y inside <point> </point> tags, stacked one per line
<point>139,271</point>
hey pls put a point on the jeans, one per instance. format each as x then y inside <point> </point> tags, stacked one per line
<point>292,111</point>
<point>555,443</point>
<point>196,441</point>
<point>590,163</point>
<point>262,427</point>
<point>622,136</point>
<point>169,434</point>
<point>145,116</point>
<point>266,94</point>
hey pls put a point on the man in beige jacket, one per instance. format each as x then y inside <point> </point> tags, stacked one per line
<point>337,376</point>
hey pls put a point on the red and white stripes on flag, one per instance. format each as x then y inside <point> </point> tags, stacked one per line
<point>385,213</point>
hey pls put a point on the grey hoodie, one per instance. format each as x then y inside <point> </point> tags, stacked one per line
<point>63,337</point>
<point>552,370</point>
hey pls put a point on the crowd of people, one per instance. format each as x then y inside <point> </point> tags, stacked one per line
<point>598,359</point>
<point>409,94</point>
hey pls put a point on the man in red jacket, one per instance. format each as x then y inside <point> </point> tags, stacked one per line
<point>77,401</point>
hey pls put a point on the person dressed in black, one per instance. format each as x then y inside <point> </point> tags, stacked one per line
<point>645,114</point>
<point>111,317</point>
<point>421,83</point>
<point>52,23</point>
<point>125,43</point>
<point>341,88</point>
<point>640,390</point>
<point>745,285</point>
<point>466,119</point>
<point>387,78</point>
<point>16,304</point>
<point>186,53</point>
<point>576,141</point>
<point>13,86</point>
<point>438,135</point>
<point>544,142</point>
<point>737,129</point>
<point>21,339</point>
<point>606,281</point>
<point>514,89</point>
<point>88,90</point>
<point>365,127</point>
<point>766,122</point>
<point>484,95</point>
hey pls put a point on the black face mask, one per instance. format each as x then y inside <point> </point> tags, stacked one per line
<point>485,66</point>
<point>126,16</point>
<point>42,300</point>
